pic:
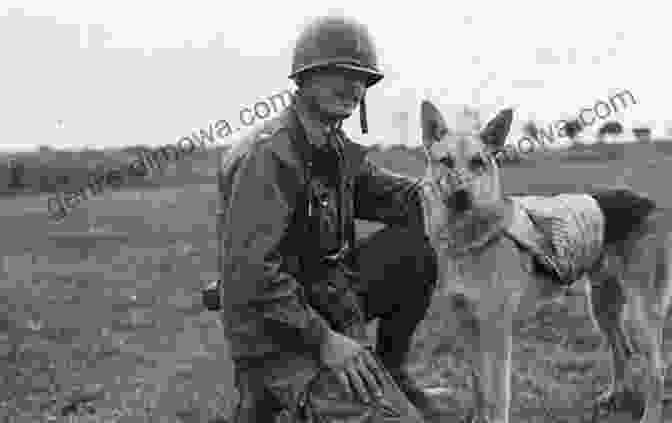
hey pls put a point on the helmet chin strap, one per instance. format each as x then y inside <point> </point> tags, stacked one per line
<point>363,123</point>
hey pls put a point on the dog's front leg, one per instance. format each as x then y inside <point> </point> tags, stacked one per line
<point>486,329</point>
<point>494,367</point>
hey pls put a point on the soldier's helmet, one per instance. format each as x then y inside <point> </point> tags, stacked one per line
<point>336,41</point>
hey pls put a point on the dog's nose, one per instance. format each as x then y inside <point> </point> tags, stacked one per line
<point>461,200</point>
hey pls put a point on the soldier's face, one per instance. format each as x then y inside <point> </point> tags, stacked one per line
<point>335,92</point>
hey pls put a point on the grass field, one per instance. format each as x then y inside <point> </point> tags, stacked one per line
<point>125,328</point>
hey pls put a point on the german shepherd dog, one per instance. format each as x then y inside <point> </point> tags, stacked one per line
<point>493,282</point>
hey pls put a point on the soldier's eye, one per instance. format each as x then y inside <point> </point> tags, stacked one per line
<point>447,161</point>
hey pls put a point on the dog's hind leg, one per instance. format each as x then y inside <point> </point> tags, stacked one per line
<point>646,369</point>
<point>608,300</point>
<point>644,293</point>
<point>647,287</point>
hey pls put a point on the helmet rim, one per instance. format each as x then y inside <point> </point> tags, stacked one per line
<point>373,75</point>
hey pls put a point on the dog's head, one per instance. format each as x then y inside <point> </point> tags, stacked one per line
<point>462,163</point>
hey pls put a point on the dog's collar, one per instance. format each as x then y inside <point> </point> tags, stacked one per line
<point>470,237</point>
<point>460,236</point>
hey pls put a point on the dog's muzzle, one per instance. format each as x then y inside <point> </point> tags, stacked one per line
<point>461,200</point>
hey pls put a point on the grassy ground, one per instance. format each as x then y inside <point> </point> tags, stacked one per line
<point>124,327</point>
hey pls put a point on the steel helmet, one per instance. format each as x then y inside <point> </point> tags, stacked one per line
<point>336,41</point>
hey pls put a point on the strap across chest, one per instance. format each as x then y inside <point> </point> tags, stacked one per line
<point>307,155</point>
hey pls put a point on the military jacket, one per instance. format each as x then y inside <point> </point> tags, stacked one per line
<point>265,246</point>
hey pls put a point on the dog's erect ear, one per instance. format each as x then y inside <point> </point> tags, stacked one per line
<point>433,125</point>
<point>495,132</point>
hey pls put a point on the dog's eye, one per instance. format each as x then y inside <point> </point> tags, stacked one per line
<point>447,161</point>
<point>477,163</point>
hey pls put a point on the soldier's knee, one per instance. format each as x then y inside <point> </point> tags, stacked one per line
<point>403,253</point>
<point>419,248</point>
<point>417,253</point>
<point>408,241</point>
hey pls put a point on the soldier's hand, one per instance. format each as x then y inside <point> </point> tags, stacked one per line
<point>354,366</point>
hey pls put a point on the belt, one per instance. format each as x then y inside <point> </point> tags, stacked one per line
<point>338,257</point>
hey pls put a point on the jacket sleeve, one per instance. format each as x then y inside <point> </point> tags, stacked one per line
<point>260,207</point>
<point>386,197</point>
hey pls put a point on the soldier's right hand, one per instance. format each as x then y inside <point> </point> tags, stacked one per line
<point>355,367</point>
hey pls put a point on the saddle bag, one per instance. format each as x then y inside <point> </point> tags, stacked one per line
<point>564,232</point>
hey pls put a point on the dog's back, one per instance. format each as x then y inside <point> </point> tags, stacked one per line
<point>623,209</point>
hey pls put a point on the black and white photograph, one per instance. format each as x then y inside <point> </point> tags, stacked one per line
<point>330,212</point>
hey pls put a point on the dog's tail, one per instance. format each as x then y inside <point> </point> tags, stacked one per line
<point>623,210</point>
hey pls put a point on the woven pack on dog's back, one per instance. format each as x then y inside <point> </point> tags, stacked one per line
<point>570,229</point>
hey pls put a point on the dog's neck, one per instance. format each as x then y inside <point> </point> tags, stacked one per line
<point>458,233</point>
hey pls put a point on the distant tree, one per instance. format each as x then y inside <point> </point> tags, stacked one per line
<point>17,172</point>
<point>135,149</point>
<point>573,128</point>
<point>530,129</point>
<point>643,134</point>
<point>609,128</point>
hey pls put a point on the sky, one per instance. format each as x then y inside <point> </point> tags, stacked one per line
<point>106,74</point>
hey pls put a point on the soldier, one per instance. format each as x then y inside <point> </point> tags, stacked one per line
<point>295,288</point>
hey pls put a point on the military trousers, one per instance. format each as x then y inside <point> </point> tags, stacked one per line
<point>397,272</point>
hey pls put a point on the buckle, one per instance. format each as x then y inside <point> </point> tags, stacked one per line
<point>210,296</point>
<point>337,257</point>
